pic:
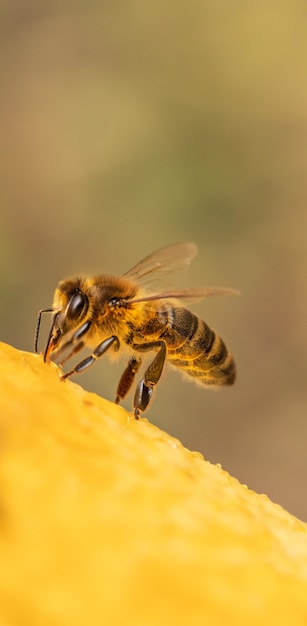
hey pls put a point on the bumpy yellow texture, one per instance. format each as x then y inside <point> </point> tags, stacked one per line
<point>105,520</point>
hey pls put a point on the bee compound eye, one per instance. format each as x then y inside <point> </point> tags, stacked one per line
<point>77,305</point>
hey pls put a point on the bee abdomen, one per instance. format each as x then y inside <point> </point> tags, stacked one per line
<point>202,354</point>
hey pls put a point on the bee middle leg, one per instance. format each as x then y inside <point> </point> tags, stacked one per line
<point>152,375</point>
<point>127,379</point>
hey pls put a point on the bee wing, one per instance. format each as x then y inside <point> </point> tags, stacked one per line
<point>188,294</point>
<point>162,262</point>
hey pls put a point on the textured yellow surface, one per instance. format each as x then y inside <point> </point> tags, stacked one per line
<point>105,520</point>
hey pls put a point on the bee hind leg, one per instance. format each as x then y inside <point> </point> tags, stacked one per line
<point>127,379</point>
<point>145,387</point>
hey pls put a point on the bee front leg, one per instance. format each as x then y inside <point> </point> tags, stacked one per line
<point>71,353</point>
<point>98,352</point>
<point>127,379</point>
<point>152,375</point>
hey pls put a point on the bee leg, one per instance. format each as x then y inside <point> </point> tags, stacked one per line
<point>98,352</point>
<point>145,387</point>
<point>127,379</point>
<point>71,353</point>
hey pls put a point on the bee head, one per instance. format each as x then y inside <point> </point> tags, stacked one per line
<point>70,306</point>
<point>81,304</point>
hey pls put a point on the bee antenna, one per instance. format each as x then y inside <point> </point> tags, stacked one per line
<point>38,326</point>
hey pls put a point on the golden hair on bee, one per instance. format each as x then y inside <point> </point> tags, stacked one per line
<point>118,314</point>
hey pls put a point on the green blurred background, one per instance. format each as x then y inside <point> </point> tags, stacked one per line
<point>126,126</point>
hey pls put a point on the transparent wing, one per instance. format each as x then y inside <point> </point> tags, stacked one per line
<point>188,294</point>
<point>162,262</point>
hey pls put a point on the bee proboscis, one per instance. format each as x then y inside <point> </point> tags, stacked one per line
<point>118,314</point>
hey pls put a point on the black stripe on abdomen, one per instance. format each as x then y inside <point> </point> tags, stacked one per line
<point>202,353</point>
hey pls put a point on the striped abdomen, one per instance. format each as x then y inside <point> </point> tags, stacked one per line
<point>196,349</point>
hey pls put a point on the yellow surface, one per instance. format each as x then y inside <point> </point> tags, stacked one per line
<point>105,520</point>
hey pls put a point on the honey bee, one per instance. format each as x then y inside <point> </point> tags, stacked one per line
<point>118,314</point>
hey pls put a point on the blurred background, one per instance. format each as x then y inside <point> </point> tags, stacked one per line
<point>127,126</point>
